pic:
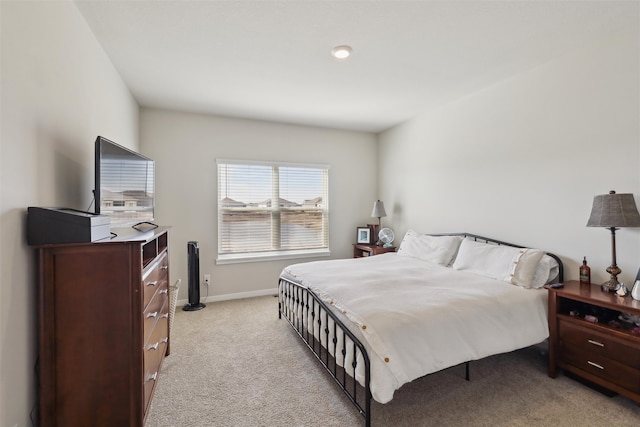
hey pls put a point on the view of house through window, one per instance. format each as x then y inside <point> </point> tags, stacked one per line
<point>271,209</point>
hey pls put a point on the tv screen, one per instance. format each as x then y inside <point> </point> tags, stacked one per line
<point>125,181</point>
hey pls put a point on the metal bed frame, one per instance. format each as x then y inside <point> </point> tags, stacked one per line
<point>307,313</point>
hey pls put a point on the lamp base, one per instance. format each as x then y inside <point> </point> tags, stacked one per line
<point>611,285</point>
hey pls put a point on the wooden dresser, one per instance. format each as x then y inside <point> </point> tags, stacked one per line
<point>588,339</point>
<point>103,329</point>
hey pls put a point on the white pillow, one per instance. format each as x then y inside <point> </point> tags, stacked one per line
<point>435,249</point>
<point>546,272</point>
<point>506,263</point>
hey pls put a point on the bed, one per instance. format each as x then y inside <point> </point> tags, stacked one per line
<point>376,323</point>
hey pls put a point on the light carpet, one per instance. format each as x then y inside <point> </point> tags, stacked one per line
<point>234,363</point>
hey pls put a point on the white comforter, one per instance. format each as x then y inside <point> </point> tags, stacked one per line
<point>418,318</point>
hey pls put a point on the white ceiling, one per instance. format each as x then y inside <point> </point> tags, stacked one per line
<point>270,60</point>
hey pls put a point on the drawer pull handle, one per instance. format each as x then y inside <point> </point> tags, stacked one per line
<point>164,291</point>
<point>595,365</point>
<point>164,340</point>
<point>164,267</point>
<point>165,316</point>
<point>154,346</point>
<point>153,376</point>
<point>155,282</point>
<point>154,314</point>
<point>599,344</point>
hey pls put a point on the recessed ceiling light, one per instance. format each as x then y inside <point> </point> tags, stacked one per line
<point>341,52</point>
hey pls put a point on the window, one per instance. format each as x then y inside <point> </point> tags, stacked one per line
<point>272,210</point>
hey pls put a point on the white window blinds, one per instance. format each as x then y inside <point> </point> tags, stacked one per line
<point>271,209</point>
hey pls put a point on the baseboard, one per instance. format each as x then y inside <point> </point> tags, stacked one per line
<point>239,295</point>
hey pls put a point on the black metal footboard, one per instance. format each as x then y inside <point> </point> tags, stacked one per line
<point>333,344</point>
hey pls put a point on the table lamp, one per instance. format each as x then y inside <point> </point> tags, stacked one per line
<point>378,212</point>
<point>613,211</point>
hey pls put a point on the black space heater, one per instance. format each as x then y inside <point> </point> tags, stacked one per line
<point>193,258</point>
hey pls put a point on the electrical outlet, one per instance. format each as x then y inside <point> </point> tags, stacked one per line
<point>207,279</point>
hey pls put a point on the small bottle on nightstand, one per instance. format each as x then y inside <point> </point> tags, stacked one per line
<point>585,273</point>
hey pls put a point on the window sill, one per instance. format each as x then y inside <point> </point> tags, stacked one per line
<point>271,256</point>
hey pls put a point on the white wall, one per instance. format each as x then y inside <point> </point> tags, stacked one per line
<point>522,160</point>
<point>185,147</point>
<point>59,91</point>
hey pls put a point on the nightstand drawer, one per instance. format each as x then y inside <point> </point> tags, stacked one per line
<point>591,342</point>
<point>603,367</point>
<point>363,250</point>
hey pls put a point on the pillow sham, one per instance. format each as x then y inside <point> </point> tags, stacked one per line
<point>435,249</point>
<point>506,263</point>
<point>547,271</point>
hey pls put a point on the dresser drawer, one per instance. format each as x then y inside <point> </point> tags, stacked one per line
<point>157,309</point>
<point>155,276</point>
<point>154,351</point>
<point>596,343</point>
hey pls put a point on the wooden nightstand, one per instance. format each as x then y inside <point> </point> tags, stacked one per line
<point>605,352</point>
<point>360,250</point>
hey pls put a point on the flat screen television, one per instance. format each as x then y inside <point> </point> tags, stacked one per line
<point>124,184</point>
